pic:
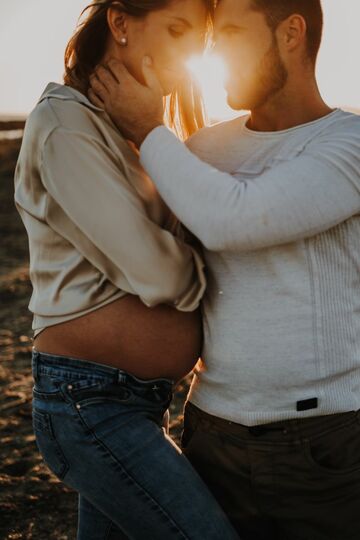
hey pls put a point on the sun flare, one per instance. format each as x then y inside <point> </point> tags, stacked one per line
<point>210,72</point>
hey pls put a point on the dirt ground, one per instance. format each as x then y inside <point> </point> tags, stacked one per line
<point>33,503</point>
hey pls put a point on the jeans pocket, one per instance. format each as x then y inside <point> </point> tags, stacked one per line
<point>49,384</point>
<point>47,444</point>
<point>97,392</point>
<point>191,422</point>
<point>336,452</point>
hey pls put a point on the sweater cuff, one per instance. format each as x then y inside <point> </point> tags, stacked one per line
<point>156,139</point>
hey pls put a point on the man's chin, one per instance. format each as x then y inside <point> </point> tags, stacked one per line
<point>237,103</point>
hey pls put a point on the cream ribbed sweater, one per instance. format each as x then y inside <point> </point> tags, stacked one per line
<point>281,228</point>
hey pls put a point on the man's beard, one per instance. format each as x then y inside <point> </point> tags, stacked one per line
<point>270,77</point>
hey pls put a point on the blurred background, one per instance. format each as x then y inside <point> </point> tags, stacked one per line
<point>33,35</point>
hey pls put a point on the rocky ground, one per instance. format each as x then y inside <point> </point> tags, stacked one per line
<point>33,503</point>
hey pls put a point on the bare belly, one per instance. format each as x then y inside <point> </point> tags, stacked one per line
<point>147,342</point>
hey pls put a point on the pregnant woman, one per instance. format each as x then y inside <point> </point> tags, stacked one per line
<point>117,285</point>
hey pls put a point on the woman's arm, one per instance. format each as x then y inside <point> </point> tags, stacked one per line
<point>87,181</point>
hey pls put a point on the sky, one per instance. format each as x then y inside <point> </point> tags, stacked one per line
<point>34,33</point>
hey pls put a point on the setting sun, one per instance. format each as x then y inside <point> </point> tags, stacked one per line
<point>180,269</point>
<point>36,57</point>
<point>210,72</point>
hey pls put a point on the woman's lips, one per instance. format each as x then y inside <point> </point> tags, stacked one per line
<point>174,71</point>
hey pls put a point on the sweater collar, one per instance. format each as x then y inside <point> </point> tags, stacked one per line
<point>61,91</point>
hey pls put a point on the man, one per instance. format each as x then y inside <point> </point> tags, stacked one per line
<point>272,422</point>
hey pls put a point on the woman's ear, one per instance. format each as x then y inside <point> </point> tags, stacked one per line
<point>118,24</point>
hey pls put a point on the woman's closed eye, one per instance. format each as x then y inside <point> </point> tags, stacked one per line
<point>177,31</point>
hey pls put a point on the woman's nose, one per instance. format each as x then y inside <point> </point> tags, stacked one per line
<point>194,46</point>
<point>219,47</point>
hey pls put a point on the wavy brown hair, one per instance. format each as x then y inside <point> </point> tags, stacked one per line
<point>184,111</point>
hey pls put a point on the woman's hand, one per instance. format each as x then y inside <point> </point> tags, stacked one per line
<point>134,108</point>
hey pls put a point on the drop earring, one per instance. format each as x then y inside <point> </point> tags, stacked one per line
<point>123,41</point>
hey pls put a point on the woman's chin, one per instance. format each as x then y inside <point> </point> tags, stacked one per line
<point>170,83</point>
<point>168,88</point>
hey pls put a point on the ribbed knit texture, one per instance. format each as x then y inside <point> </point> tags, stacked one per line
<point>281,231</point>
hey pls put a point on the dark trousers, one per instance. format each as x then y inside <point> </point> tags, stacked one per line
<point>289,480</point>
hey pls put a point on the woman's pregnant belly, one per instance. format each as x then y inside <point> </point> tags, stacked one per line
<point>147,342</point>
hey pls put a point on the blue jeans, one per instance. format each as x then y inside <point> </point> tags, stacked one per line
<point>99,430</point>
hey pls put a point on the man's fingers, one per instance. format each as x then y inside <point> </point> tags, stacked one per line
<point>105,76</point>
<point>119,71</point>
<point>150,76</point>
<point>98,88</point>
<point>95,100</point>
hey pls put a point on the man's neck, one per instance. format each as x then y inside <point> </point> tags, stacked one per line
<point>298,103</point>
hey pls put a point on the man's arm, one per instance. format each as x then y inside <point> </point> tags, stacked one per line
<point>293,200</point>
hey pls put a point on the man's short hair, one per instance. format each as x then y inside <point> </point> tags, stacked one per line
<point>277,11</point>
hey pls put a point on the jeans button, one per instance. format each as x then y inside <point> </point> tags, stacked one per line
<point>78,406</point>
<point>70,386</point>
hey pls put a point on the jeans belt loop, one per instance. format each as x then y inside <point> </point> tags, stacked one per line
<point>121,377</point>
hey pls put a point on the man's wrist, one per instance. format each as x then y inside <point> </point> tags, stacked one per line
<point>148,131</point>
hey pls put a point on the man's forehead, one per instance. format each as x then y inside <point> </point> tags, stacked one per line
<point>232,10</point>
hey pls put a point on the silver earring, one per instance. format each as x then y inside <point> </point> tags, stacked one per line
<point>123,41</point>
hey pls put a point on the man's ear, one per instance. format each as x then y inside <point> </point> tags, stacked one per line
<point>118,24</point>
<point>292,33</point>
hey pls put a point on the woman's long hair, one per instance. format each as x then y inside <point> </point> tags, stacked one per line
<point>184,110</point>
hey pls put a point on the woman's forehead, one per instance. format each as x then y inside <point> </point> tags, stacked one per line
<point>192,11</point>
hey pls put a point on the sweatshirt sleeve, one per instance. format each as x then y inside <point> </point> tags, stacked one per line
<point>293,200</point>
<point>87,180</point>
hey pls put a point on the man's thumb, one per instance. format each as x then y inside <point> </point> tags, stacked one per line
<point>150,76</point>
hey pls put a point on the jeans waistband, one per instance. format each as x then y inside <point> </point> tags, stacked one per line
<point>46,363</point>
<point>284,430</point>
